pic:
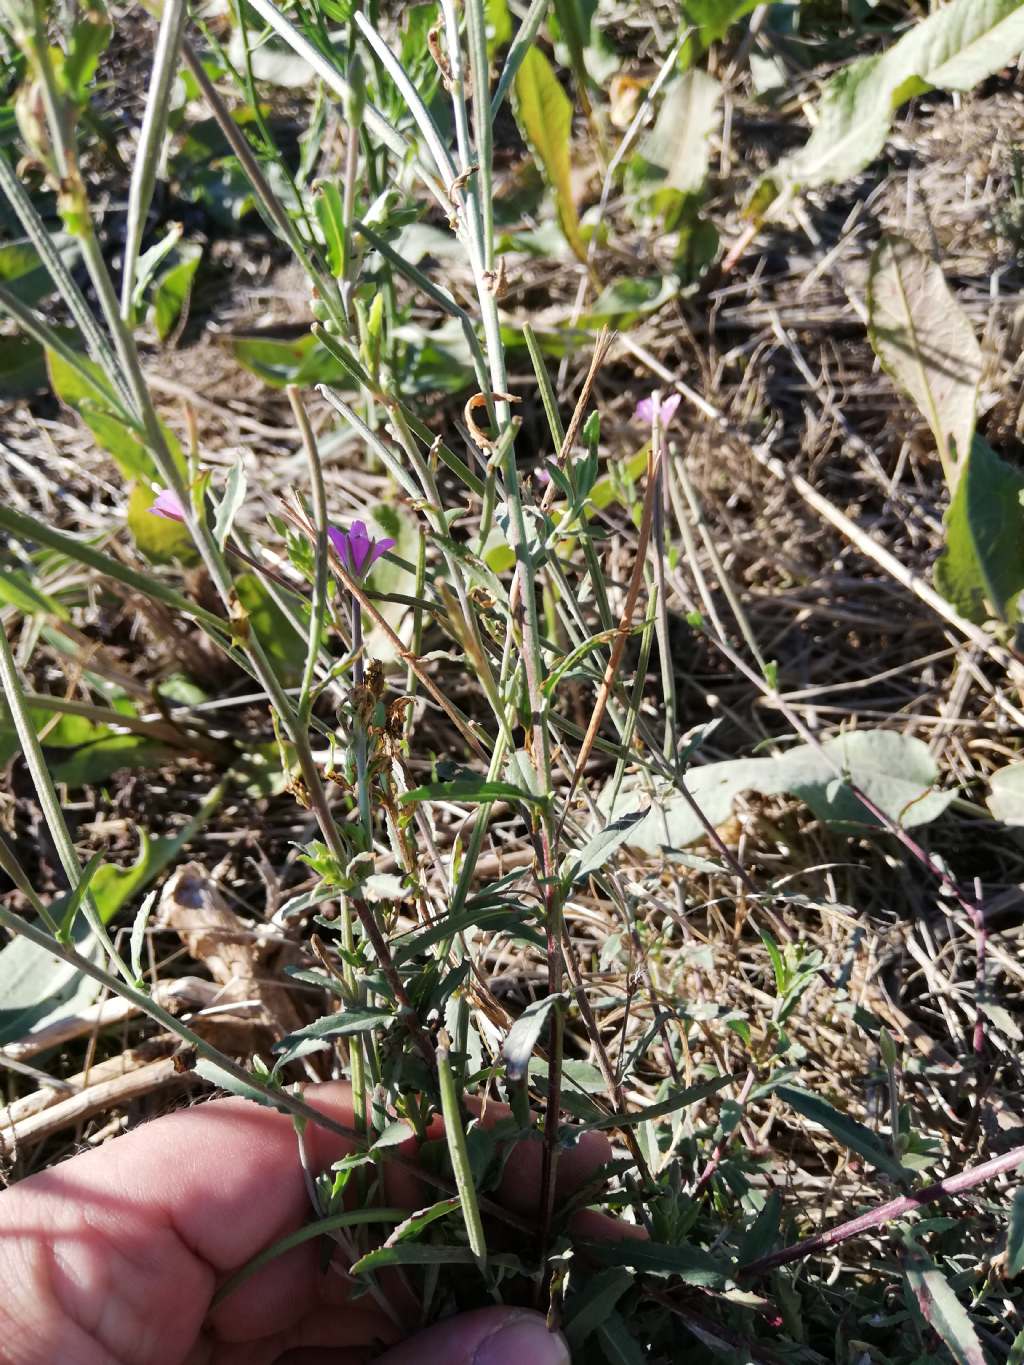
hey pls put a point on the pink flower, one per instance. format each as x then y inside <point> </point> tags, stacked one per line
<point>168,505</point>
<point>666,409</point>
<point>357,549</point>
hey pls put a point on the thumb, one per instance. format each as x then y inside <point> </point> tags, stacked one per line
<point>490,1336</point>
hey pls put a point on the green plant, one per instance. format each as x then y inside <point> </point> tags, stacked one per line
<point>507,576</point>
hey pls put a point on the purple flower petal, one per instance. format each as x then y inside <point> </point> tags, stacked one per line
<point>168,505</point>
<point>668,407</point>
<point>339,539</point>
<point>356,549</point>
<point>380,547</point>
<point>360,547</point>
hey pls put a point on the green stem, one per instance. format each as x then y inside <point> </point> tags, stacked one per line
<point>51,807</point>
<point>151,137</point>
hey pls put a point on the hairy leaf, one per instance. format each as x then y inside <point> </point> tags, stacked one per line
<point>594,1304</point>
<point>1006,794</point>
<point>469,789</point>
<point>680,141</point>
<point>954,48</point>
<point>926,342</point>
<point>690,1263</point>
<point>522,1036</point>
<point>577,867</point>
<point>895,771</point>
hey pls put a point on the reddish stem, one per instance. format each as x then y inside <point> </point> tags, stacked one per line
<point>895,1208</point>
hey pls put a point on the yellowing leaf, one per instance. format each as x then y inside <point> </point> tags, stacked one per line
<point>162,541</point>
<point>90,398</point>
<point>680,141</point>
<point>926,342</point>
<point>544,113</point>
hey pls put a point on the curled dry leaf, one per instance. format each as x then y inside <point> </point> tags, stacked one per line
<point>231,948</point>
<point>479,400</point>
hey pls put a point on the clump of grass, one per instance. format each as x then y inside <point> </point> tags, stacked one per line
<point>513,633</point>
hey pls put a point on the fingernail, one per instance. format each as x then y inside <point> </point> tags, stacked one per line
<point>525,1341</point>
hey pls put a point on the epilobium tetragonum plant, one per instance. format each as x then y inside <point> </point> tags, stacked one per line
<point>457,680</point>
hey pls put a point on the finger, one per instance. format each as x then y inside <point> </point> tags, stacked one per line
<point>520,1188</point>
<point>604,1227</point>
<point>490,1336</point>
<point>128,1241</point>
<point>324,1331</point>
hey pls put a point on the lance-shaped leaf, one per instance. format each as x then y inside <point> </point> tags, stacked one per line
<point>926,342</point>
<point>523,1035</point>
<point>981,570</point>
<point>843,1128</point>
<point>544,113</point>
<point>943,1311</point>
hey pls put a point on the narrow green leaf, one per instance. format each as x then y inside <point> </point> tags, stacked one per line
<point>522,1036</point>
<point>458,1152</point>
<point>340,1025</point>
<point>32,531</point>
<point>1015,1235</point>
<point>619,1346</point>
<point>75,898</point>
<point>844,1129</point>
<point>943,1311</point>
<point>595,1303</point>
<point>678,1099</point>
<point>416,1222</point>
<point>691,1264</point>
<point>413,1253</point>
<point>334,1222</point>
<point>234,497</point>
<point>151,260</point>
<point>330,215</point>
<point>544,113</point>
<point>470,790</point>
<point>138,938</point>
<point>763,1233</point>
<point>19,590</point>
<point>496,920</point>
<point>173,289</point>
<point>577,867</point>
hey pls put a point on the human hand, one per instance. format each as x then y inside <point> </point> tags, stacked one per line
<point>113,1257</point>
